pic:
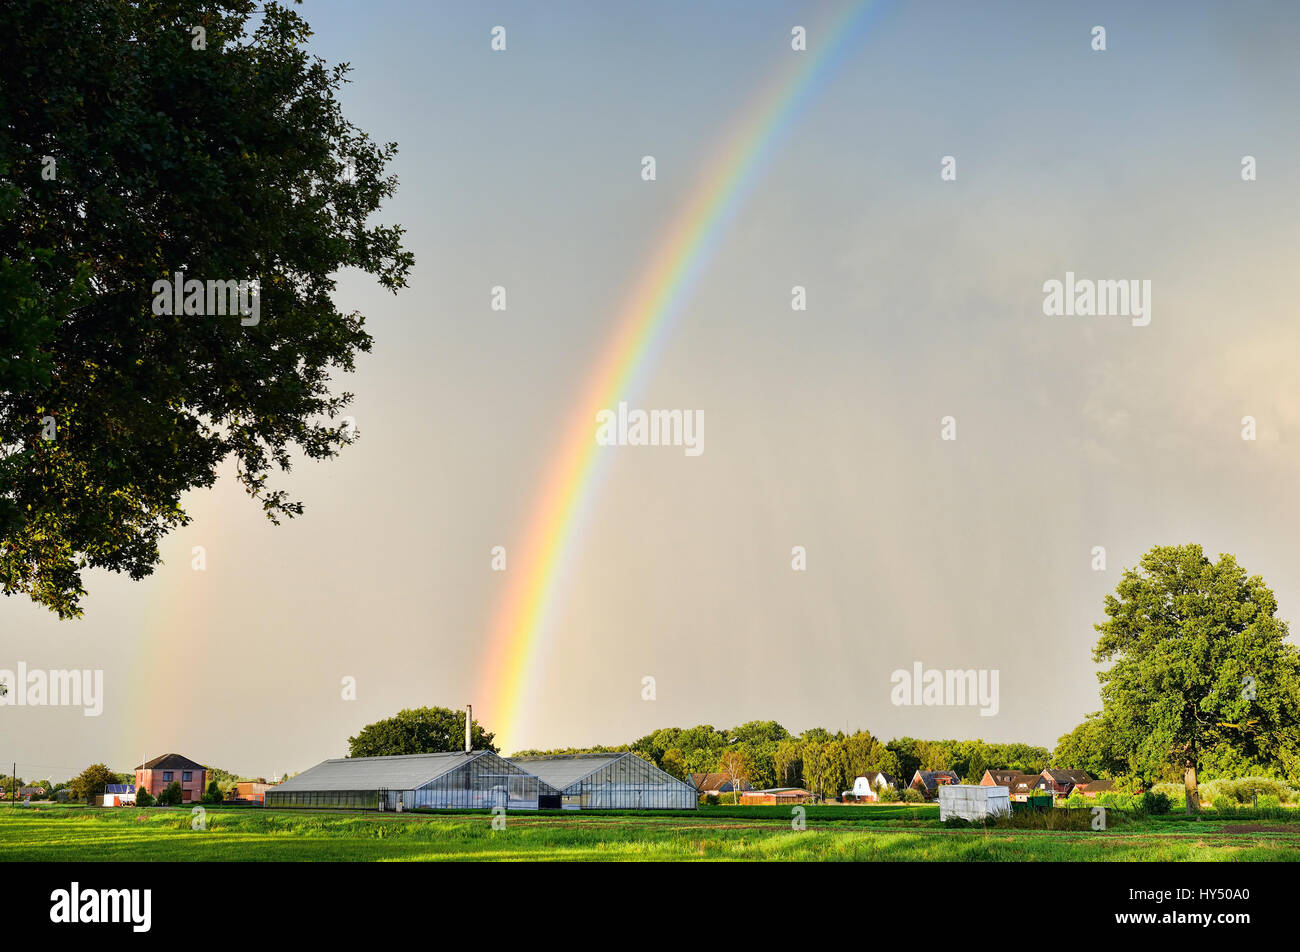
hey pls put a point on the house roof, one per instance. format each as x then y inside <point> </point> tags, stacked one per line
<point>1004,777</point>
<point>398,772</point>
<point>1068,776</point>
<point>874,775</point>
<point>171,762</point>
<point>931,777</point>
<point>716,783</point>
<point>1013,780</point>
<point>1098,786</point>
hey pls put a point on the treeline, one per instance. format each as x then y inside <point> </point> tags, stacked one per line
<point>821,761</point>
<point>89,785</point>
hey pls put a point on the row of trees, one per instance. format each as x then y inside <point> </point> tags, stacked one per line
<point>767,755</point>
<point>89,786</point>
<point>1201,679</point>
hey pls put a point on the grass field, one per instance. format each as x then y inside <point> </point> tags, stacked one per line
<point>62,833</point>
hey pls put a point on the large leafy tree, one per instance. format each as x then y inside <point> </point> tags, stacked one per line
<point>1088,747</point>
<point>91,782</point>
<point>138,140</point>
<point>1200,662</point>
<point>421,730</point>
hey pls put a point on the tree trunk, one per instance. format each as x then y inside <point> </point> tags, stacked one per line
<point>1189,788</point>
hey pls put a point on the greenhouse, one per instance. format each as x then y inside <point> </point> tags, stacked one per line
<point>616,781</point>
<point>478,780</point>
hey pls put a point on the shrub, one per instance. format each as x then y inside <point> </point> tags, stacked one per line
<point>213,793</point>
<point>144,799</point>
<point>890,795</point>
<point>1225,804</point>
<point>1075,800</point>
<point>1154,803</point>
<point>171,796</point>
<point>1266,801</point>
<point>912,796</point>
<point>1246,789</point>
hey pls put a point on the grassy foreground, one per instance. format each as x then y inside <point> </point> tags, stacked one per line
<point>61,833</point>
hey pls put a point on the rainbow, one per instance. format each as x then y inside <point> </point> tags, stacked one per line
<point>655,303</point>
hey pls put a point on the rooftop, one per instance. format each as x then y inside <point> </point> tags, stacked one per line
<point>399,772</point>
<point>171,762</point>
<point>563,770</point>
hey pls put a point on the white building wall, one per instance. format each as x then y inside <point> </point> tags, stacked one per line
<point>971,802</point>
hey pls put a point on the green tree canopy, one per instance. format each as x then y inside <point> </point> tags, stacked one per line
<point>1200,662</point>
<point>421,730</point>
<point>90,783</point>
<point>1089,747</point>
<point>133,149</point>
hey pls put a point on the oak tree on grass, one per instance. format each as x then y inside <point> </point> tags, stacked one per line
<point>1200,661</point>
<point>139,142</point>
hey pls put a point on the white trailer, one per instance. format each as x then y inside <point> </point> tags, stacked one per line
<point>973,802</point>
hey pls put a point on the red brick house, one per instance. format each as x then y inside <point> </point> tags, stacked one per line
<point>929,781</point>
<point>157,774</point>
<point>1020,785</point>
<point>1059,783</point>
<point>1097,787</point>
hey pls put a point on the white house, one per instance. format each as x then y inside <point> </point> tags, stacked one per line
<point>868,787</point>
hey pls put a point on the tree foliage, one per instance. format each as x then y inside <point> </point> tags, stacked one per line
<point>89,785</point>
<point>1201,668</point>
<point>225,163</point>
<point>172,795</point>
<point>421,730</point>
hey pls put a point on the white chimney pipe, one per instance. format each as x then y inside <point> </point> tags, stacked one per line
<point>469,719</point>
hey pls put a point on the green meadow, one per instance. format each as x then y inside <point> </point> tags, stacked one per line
<point>61,833</point>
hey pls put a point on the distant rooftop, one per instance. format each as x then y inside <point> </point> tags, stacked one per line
<point>171,762</point>
<point>399,772</point>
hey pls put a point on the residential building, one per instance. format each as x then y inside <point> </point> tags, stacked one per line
<point>1059,783</point>
<point>1019,785</point>
<point>1097,787</point>
<point>716,784</point>
<point>158,774</point>
<point>869,785</point>
<point>929,781</point>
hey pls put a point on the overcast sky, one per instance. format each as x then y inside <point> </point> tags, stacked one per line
<point>925,300</point>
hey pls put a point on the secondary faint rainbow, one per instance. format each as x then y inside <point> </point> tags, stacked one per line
<point>537,569</point>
